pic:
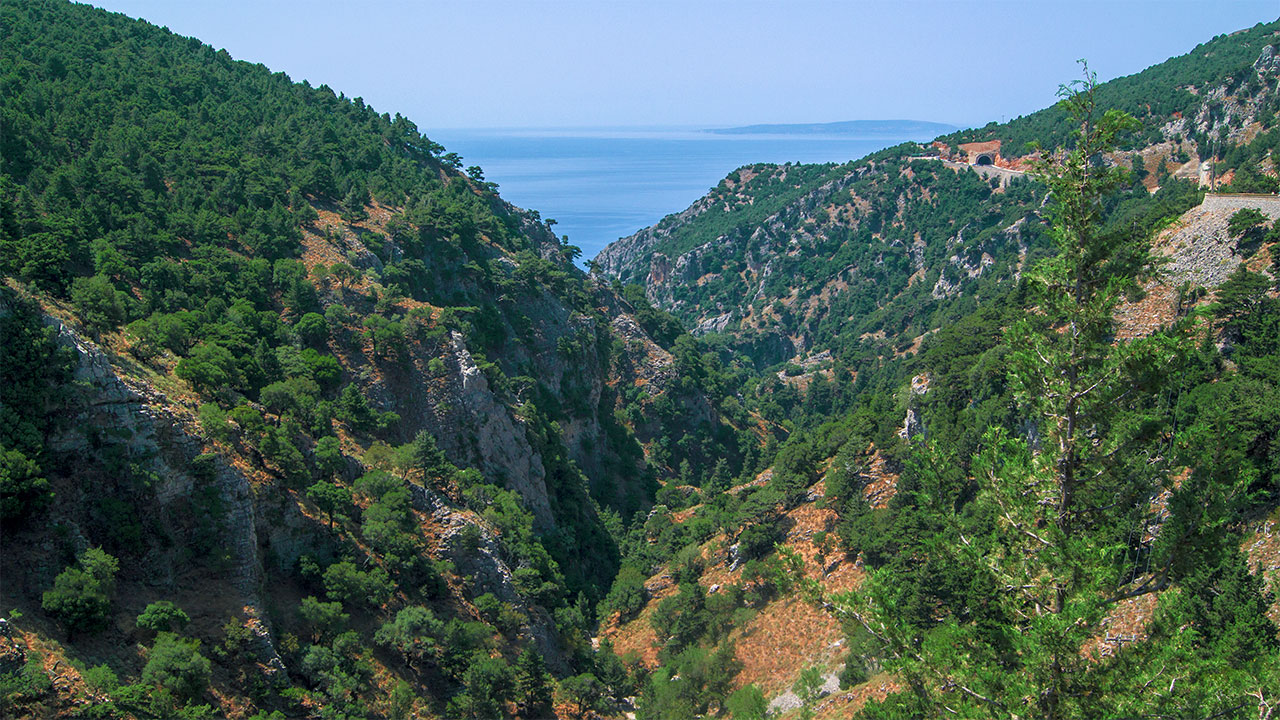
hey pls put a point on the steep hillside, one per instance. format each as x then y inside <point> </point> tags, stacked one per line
<point>844,517</point>
<point>864,258</point>
<point>286,383</point>
<point>889,299</point>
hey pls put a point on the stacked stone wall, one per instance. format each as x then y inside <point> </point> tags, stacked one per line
<point>1268,204</point>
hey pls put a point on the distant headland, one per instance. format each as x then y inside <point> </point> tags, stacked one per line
<point>862,128</point>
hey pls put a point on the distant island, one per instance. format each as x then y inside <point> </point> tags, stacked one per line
<point>863,128</point>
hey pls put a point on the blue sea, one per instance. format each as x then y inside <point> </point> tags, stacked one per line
<point>600,184</point>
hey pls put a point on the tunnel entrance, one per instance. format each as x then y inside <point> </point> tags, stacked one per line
<point>984,159</point>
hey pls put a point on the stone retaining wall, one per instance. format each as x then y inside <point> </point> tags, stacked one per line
<point>1268,204</point>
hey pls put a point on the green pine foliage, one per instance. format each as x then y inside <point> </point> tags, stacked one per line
<point>82,595</point>
<point>163,616</point>
<point>1016,569</point>
<point>156,195</point>
<point>176,664</point>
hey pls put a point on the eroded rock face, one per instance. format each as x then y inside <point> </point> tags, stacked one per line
<point>639,258</point>
<point>502,449</point>
<point>913,424</point>
<point>128,410</point>
<point>472,548</point>
<point>1268,61</point>
<point>112,406</point>
<point>623,257</point>
<point>652,365</point>
<point>716,324</point>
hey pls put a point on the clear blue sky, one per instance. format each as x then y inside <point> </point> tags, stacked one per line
<point>540,63</point>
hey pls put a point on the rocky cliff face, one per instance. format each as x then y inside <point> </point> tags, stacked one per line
<point>116,415</point>
<point>481,557</point>
<point>128,413</point>
<point>623,257</point>
<point>196,490</point>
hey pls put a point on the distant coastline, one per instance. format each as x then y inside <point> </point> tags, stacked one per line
<point>604,183</point>
<point>858,128</point>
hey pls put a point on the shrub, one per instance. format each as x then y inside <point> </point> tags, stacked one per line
<point>176,665</point>
<point>757,540</point>
<point>209,368</point>
<point>329,457</point>
<point>501,615</point>
<point>1247,224</point>
<point>532,684</point>
<point>236,639</point>
<point>583,691</point>
<point>248,419</point>
<point>325,618</point>
<point>163,616</point>
<point>101,678</point>
<point>808,687</point>
<point>81,596</point>
<point>460,642</point>
<point>23,490</point>
<point>489,682</point>
<point>681,618</point>
<point>413,634</point>
<point>312,328</point>
<point>99,303</point>
<point>748,703</point>
<point>277,447</point>
<point>27,684</point>
<point>213,420</point>
<point>377,483</point>
<point>627,596</point>
<point>348,584</point>
<point>330,498</point>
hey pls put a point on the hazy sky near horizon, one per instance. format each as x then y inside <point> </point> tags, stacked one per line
<point>546,63</point>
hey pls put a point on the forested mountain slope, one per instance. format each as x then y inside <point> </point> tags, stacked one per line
<point>857,495</point>
<point>298,418</point>
<point>297,415</point>
<point>918,305</point>
<point>863,258</point>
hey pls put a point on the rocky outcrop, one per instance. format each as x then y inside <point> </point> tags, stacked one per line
<point>1227,110</point>
<point>653,366</point>
<point>646,256</point>
<point>501,447</point>
<point>475,552</point>
<point>1268,62</point>
<point>623,257</point>
<point>717,324</point>
<point>126,409</point>
<point>913,423</point>
<point>115,413</point>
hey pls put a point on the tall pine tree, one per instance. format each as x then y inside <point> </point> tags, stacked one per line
<point>1066,526</point>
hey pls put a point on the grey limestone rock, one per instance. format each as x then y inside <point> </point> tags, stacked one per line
<point>499,438</point>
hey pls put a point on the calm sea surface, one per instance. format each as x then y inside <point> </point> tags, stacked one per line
<point>603,184</point>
